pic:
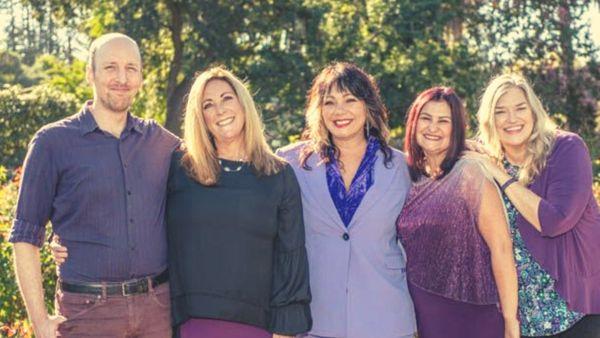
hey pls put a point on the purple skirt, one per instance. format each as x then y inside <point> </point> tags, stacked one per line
<point>214,328</point>
<point>440,317</point>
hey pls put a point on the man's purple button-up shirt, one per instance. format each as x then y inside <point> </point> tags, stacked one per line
<point>105,196</point>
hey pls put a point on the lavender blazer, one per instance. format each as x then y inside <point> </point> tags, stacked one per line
<point>357,274</point>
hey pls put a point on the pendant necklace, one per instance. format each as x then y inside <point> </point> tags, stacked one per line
<point>230,169</point>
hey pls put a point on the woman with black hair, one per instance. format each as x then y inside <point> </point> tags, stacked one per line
<point>353,186</point>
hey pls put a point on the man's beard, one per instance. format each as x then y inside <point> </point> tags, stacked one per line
<point>115,104</point>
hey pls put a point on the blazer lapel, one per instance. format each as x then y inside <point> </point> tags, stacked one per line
<point>384,178</point>
<point>318,190</point>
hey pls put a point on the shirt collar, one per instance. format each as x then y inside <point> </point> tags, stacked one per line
<point>372,147</point>
<point>134,123</point>
<point>88,123</point>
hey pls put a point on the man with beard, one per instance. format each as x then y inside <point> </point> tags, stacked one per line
<point>99,177</point>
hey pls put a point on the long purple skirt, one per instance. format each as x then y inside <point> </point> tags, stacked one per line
<point>214,328</point>
<point>440,317</point>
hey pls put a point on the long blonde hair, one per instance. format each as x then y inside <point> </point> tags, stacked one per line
<point>542,137</point>
<point>200,159</point>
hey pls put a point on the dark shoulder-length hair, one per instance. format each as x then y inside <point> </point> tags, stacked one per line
<point>346,77</point>
<point>415,155</point>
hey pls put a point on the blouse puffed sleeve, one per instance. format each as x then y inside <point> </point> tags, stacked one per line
<point>290,294</point>
<point>569,186</point>
<point>172,230</point>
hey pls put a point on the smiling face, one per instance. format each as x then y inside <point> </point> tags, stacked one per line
<point>434,129</point>
<point>513,119</point>
<point>223,112</point>
<point>116,75</point>
<point>344,115</point>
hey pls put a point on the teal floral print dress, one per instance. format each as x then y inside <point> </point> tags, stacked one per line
<point>542,311</point>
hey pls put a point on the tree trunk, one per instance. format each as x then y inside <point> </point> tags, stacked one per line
<point>175,105</point>
<point>175,91</point>
<point>568,64</point>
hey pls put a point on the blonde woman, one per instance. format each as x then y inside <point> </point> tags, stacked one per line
<point>237,259</point>
<point>545,175</point>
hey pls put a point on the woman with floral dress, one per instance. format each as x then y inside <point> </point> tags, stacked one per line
<point>545,175</point>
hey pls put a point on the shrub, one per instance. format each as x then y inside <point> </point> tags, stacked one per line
<point>12,313</point>
<point>23,112</point>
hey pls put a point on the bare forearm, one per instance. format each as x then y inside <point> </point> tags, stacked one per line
<point>524,200</point>
<point>29,278</point>
<point>503,267</point>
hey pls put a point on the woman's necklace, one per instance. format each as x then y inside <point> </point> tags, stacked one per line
<point>232,169</point>
<point>433,173</point>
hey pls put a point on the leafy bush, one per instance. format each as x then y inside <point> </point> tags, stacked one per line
<point>13,71</point>
<point>12,313</point>
<point>62,76</point>
<point>24,111</point>
<point>593,143</point>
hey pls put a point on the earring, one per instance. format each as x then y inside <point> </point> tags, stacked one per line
<point>367,128</point>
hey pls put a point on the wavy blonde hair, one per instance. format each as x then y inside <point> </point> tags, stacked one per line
<point>542,136</point>
<point>200,159</point>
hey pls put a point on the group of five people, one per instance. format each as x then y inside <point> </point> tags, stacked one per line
<point>337,236</point>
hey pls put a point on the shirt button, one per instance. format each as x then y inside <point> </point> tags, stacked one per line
<point>129,192</point>
<point>131,220</point>
<point>345,236</point>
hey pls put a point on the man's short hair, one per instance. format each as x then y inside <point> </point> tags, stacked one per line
<point>101,40</point>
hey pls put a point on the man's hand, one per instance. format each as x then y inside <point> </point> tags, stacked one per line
<point>48,327</point>
<point>275,335</point>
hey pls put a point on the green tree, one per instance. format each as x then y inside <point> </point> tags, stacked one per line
<point>550,42</point>
<point>24,111</point>
<point>406,45</point>
<point>63,77</point>
<point>280,45</point>
<point>40,27</point>
<point>13,71</point>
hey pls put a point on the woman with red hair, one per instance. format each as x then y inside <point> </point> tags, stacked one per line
<point>460,268</point>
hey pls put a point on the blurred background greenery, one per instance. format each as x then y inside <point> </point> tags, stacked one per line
<point>278,46</point>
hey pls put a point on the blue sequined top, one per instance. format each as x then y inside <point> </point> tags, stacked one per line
<point>542,311</point>
<point>346,202</point>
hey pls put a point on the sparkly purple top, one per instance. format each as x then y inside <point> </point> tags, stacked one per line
<point>446,254</point>
<point>346,202</point>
